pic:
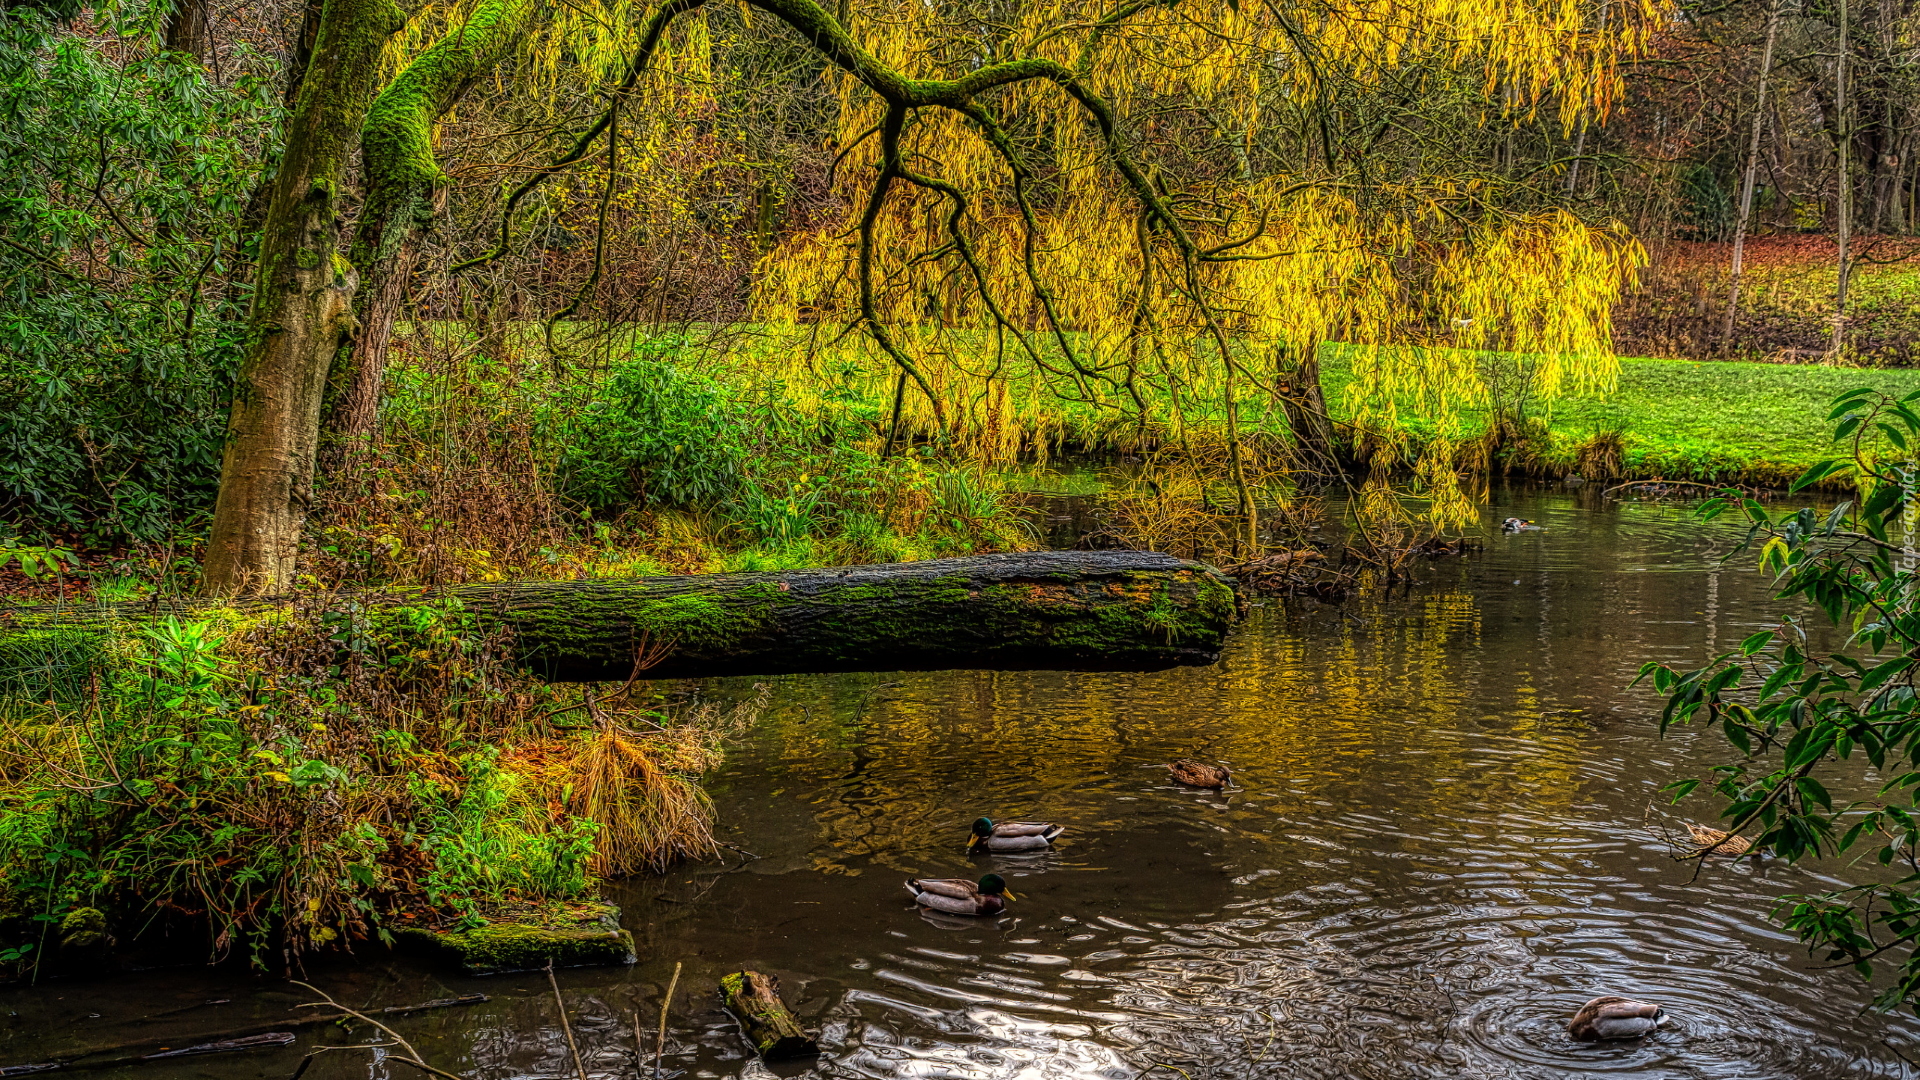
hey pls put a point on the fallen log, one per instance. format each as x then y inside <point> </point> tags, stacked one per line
<point>754,1000</point>
<point>1067,610</point>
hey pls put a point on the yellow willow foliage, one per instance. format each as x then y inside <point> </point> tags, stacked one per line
<point>1540,289</point>
<point>571,47</point>
<point>1082,292</point>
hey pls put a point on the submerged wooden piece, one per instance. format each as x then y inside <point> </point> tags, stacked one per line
<point>754,1000</point>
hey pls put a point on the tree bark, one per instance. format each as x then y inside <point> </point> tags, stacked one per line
<point>1066,610</point>
<point>1843,137</point>
<point>1305,402</point>
<point>754,1000</point>
<point>1747,176</point>
<point>405,186</point>
<point>185,29</point>
<point>302,312</point>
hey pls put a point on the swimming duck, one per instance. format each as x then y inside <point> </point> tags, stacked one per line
<point>958,896</point>
<point>1004,836</point>
<point>1514,525</point>
<point>1732,848</point>
<point>1200,774</point>
<point>1615,1018</point>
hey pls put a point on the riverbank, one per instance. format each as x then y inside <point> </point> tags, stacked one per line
<point>1760,424</point>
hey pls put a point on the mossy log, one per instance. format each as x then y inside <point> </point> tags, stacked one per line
<point>1067,610</point>
<point>1071,610</point>
<point>577,934</point>
<point>754,1000</point>
<point>530,936</point>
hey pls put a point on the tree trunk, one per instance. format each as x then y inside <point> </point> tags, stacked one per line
<point>302,310</point>
<point>1843,137</point>
<point>754,1000</point>
<point>1305,402</point>
<point>1067,610</point>
<point>185,29</point>
<point>404,191</point>
<point>1747,176</point>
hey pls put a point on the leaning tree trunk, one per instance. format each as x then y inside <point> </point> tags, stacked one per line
<point>404,188</point>
<point>302,310</point>
<point>1067,610</point>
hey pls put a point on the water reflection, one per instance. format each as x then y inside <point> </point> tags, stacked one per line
<point>1438,850</point>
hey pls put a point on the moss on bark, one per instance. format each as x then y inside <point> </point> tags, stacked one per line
<point>1071,610</point>
<point>567,935</point>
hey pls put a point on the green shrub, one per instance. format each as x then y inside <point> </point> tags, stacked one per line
<point>654,435</point>
<point>121,186</point>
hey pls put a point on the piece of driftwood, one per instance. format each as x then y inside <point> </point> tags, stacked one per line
<point>1066,610</point>
<point>754,1000</point>
<point>251,1037</point>
<point>251,1042</point>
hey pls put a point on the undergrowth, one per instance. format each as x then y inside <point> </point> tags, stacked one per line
<point>489,470</point>
<point>274,781</point>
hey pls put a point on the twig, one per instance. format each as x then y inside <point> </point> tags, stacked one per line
<point>578,1065</point>
<point>1678,483</point>
<point>660,1047</point>
<point>398,1039</point>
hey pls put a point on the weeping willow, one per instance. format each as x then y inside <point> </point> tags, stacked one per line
<point>1087,197</point>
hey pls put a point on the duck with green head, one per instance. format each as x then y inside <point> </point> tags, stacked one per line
<point>958,896</point>
<point>1012,836</point>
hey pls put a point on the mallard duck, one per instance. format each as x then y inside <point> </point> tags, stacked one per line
<point>1004,836</point>
<point>1199,774</point>
<point>1514,525</point>
<point>958,896</point>
<point>1615,1018</point>
<point>1733,847</point>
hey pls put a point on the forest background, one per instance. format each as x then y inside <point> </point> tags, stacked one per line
<point>656,359</point>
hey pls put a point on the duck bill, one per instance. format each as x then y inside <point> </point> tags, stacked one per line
<point>1008,893</point>
<point>972,840</point>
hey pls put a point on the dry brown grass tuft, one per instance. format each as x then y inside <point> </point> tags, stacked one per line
<point>640,786</point>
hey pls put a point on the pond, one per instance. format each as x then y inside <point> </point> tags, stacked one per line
<point>1445,837</point>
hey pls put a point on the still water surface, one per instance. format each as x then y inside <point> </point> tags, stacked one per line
<point>1441,846</point>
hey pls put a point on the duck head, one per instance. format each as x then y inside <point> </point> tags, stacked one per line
<point>995,885</point>
<point>982,829</point>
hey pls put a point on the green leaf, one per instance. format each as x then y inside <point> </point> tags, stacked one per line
<point>1682,788</point>
<point>1878,677</point>
<point>1740,737</point>
<point>1817,473</point>
<point>1756,642</point>
<point>1812,791</point>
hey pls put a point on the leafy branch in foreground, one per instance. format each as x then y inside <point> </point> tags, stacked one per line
<point>1800,714</point>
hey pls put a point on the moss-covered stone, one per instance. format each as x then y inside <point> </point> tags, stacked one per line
<point>85,937</point>
<point>526,938</point>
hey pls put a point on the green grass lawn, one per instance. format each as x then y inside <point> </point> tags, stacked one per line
<point>1711,420</point>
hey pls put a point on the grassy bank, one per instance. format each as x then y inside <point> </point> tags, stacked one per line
<point>1681,419</point>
